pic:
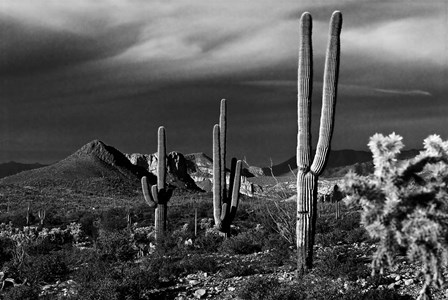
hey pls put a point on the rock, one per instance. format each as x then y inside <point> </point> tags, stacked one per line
<point>231,288</point>
<point>193,282</point>
<point>177,170</point>
<point>200,293</point>
<point>391,286</point>
<point>408,281</point>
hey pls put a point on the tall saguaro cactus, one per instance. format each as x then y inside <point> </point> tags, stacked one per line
<point>225,200</point>
<point>308,172</point>
<point>158,195</point>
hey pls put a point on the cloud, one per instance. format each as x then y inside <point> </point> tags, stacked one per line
<point>409,40</point>
<point>404,92</point>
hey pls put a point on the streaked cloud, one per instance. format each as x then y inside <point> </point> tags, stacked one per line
<point>405,92</point>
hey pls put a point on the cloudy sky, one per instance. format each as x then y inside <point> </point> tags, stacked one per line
<point>115,70</point>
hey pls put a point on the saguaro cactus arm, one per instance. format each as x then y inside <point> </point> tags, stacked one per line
<point>331,75</point>
<point>235,190</point>
<point>222,145</point>
<point>304,90</point>
<point>148,192</point>
<point>161,156</point>
<point>217,189</point>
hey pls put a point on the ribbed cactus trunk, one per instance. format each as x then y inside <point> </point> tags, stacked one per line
<point>160,213</point>
<point>157,196</point>
<point>225,200</point>
<point>308,173</point>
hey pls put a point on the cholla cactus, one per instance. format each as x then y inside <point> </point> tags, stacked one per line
<point>308,171</point>
<point>404,205</point>
<point>225,201</point>
<point>158,195</point>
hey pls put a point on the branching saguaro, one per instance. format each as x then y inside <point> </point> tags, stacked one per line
<point>157,196</point>
<point>308,172</point>
<point>225,200</point>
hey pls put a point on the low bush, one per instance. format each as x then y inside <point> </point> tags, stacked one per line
<point>208,243</point>
<point>270,289</point>
<point>113,219</point>
<point>6,250</point>
<point>244,243</point>
<point>45,268</point>
<point>23,292</point>
<point>115,245</point>
<point>380,294</point>
<point>194,263</point>
<point>339,263</point>
<point>237,268</point>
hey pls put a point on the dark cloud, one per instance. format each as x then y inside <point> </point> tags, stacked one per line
<point>29,49</point>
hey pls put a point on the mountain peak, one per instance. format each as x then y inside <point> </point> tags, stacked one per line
<point>100,150</point>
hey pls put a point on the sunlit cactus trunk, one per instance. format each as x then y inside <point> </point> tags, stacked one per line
<point>225,200</point>
<point>308,172</point>
<point>158,195</point>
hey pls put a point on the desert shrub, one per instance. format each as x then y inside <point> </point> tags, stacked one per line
<point>357,235</point>
<point>244,243</point>
<point>323,224</point>
<point>270,289</point>
<point>404,205</point>
<point>194,263</point>
<point>332,238</point>
<point>99,289</point>
<point>208,243</point>
<point>280,218</point>
<point>115,245</point>
<point>88,224</point>
<point>348,221</point>
<point>379,294</point>
<point>6,250</point>
<point>23,292</point>
<point>237,268</point>
<point>18,218</point>
<point>45,268</point>
<point>134,282</point>
<point>113,219</point>
<point>143,214</point>
<point>338,263</point>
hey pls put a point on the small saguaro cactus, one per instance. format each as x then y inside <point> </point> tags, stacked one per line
<point>225,200</point>
<point>28,214</point>
<point>308,172</point>
<point>41,213</point>
<point>157,196</point>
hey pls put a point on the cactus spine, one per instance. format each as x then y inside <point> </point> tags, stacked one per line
<point>225,200</point>
<point>308,172</point>
<point>157,196</point>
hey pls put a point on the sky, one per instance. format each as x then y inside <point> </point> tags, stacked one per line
<point>116,70</point>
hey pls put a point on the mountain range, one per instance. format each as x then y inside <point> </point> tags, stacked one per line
<point>99,168</point>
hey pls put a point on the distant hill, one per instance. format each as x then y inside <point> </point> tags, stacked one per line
<point>12,167</point>
<point>95,168</point>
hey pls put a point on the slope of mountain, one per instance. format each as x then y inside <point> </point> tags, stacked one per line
<point>12,167</point>
<point>95,168</point>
